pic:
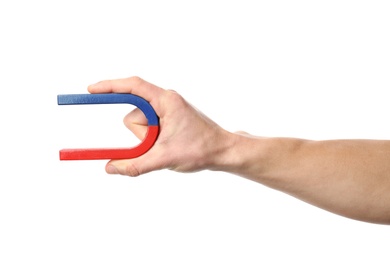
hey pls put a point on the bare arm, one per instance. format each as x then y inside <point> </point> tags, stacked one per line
<point>347,177</point>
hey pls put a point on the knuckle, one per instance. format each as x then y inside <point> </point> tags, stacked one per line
<point>174,97</point>
<point>136,80</point>
<point>131,170</point>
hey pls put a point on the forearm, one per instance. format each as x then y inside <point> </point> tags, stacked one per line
<point>347,177</point>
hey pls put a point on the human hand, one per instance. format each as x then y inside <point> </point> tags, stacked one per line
<point>188,140</point>
<point>318,172</point>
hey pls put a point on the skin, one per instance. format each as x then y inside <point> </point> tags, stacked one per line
<point>347,177</point>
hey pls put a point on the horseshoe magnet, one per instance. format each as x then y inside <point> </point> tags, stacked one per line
<point>112,153</point>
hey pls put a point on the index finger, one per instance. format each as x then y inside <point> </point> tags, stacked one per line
<point>133,85</point>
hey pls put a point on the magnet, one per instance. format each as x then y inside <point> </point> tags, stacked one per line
<point>112,153</point>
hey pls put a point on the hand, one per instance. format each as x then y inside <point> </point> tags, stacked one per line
<point>188,140</point>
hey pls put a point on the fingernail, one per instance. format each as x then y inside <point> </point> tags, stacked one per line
<point>111,169</point>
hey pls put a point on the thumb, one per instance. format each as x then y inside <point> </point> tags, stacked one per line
<point>147,162</point>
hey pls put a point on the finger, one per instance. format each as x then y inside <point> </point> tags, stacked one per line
<point>132,85</point>
<point>137,166</point>
<point>136,122</point>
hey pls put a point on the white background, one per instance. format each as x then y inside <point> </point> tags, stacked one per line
<point>308,69</point>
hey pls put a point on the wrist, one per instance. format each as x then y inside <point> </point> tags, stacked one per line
<point>241,154</point>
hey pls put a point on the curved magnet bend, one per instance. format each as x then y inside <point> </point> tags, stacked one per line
<point>112,153</point>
